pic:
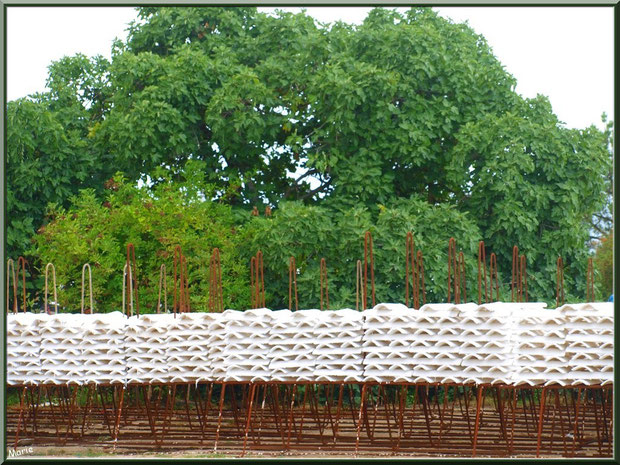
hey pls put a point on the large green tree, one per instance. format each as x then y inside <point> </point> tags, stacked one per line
<point>283,108</point>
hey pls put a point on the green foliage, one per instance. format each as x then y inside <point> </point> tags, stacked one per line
<point>49,157</point>
<point>402,122</point>
<point>604,265</point>
<point>310,232</point>
<point>155,221</point>
<point>530,182</point>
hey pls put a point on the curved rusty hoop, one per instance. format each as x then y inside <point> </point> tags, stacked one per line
<point>515,275</point>
<point>324,283</point>
<point>185,285</point>
<point>253,282</point>
<point>367,252</point>
<point>21,266</point>
<point>216,299</point>
<point>482,269</point>
<point>589,282</point>
<point>493,275</point>
<point>260,276</point>
<point>409,258</point>
<point>47,267</point>
<point>359,283</point>
<point>452,270</point>
<point>292,282</point>
<point>132,276</point>
<point>162,283</point>
<point>10,265</point>
<point>127,280</point>
<point>90,288</point>
<point>522,279</point>
<point>559,288</point>
<point>420,274</point>
<point>257,280</point>
<point>177,262</point>
<point>255,211</point>
<point>462,282</point>
<point>267,210</point>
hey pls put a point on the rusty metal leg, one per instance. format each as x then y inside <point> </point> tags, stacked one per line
<point>303,411</point>
<point>338,410</point>
<point>21,414</point>
<point>540,420</point>
<point>262,411</point>
<point>359,419</point>
<point>49,398</point>
<point>290,422</point>
<point>249,415</point>
<point>219,418</point>
<point>575,431</point>
<point>477,424</point>
<point>118,417</point>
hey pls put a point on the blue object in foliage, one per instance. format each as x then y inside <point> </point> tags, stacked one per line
<point>611,298</point>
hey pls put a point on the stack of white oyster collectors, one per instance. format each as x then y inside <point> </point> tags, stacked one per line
<point>62,361</point>
<point>146,341</point>
<point>486,351</point>
<point>338,351</point>
<point>292,342</point>
<point>436,344</point>
<point>186,347</point>
<point>589,342</point>
<point>23,348</point>
<point>389,333</point>
<point>247,345</point>
<point>538,339</point>
<point>103,348</point>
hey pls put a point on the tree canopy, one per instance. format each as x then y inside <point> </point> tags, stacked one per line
<point>403,118</point>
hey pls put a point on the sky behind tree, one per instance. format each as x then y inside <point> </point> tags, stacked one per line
<point>565,53</point>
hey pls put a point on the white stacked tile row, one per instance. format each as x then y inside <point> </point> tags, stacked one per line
<point>103,348</point>
<point>62,361</point>
<point>437,339</point>
<point>23,348</point>
<point>338,352</point>
<point>247,345</point>
<point>292,342</point>
<point>512,343</point>
<point>187,347</point>
<point>538,340</point>
<point>589,342</point>
<point>389,332</point>
<point>146,341</point>
<point>486,352</point>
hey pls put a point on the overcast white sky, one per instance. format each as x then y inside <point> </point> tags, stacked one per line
<point>565,53</point>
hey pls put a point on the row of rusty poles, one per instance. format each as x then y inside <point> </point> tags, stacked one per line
<point>414,267</point>
<point>11,272</point>
<point>414,279</point>
<point>552,413</point>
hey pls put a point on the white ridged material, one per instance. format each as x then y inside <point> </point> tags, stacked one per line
<point>538,340</point>
<point>146,340</point>
<point>292,343</point>
<point>62,361</point>
<point>23,348</point>
<point>103,348</point>
<point>388,336</point>
<point>512,343</point>
<point>338,351</point>
<point>187,347</point>
<point>217,344</point>
<point>486,351</point>
<point>589,342</point>
<point>247,346</point>
<point>437,341</point>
